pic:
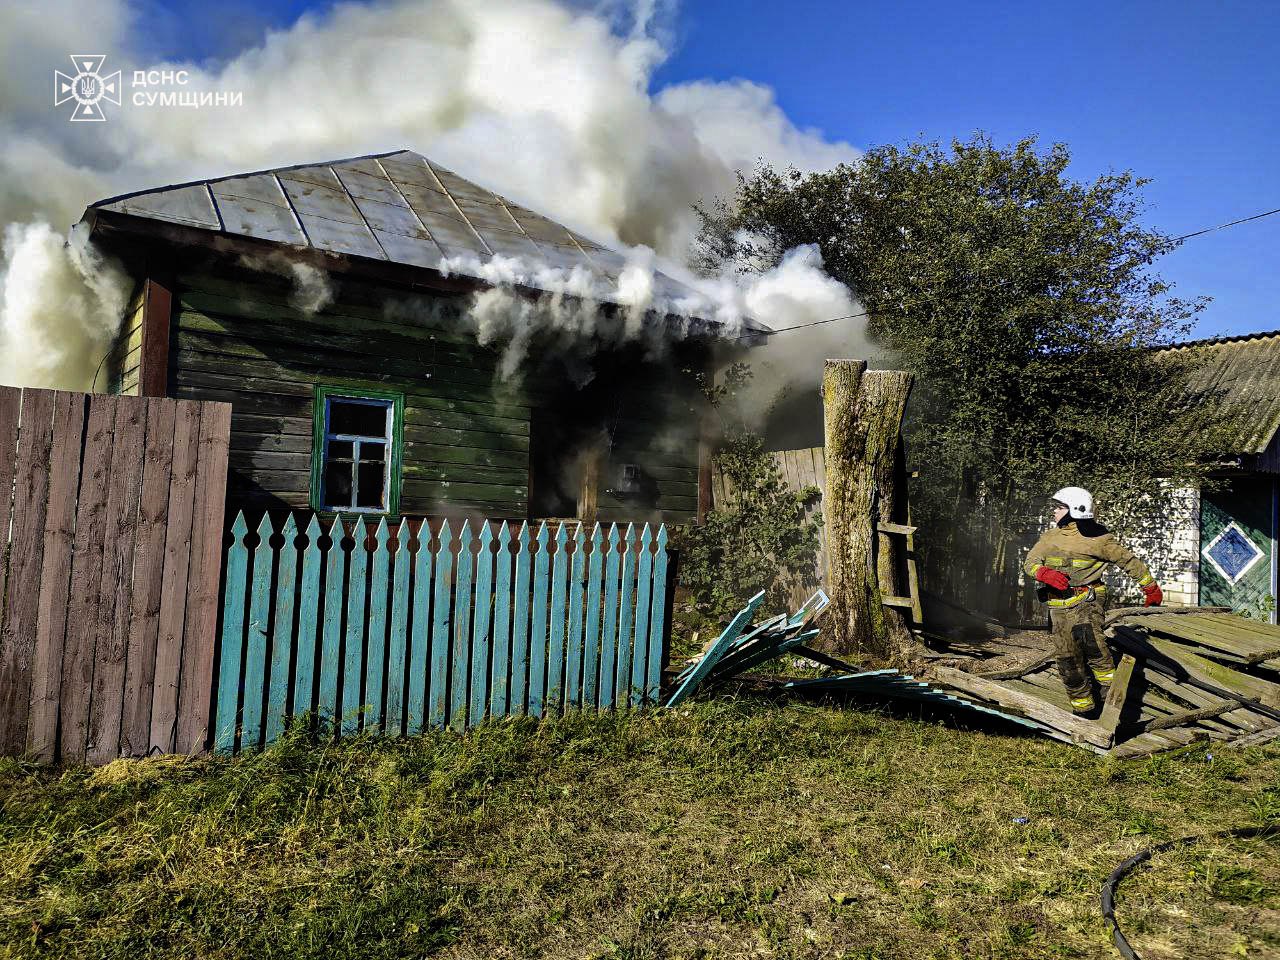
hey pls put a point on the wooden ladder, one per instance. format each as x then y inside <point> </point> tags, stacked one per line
<point>911,602</point>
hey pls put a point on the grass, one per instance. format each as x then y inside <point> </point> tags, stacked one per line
<point>736,828</point>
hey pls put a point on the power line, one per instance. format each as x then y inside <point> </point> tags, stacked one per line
<point>1223,226</point>
<point>856,316</point>
<point>801,326</point>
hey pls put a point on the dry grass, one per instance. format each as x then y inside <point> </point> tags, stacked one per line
<point>734,829</point>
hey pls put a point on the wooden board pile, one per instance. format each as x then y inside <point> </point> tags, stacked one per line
<point>1184,674</point>
<point>740,647</point>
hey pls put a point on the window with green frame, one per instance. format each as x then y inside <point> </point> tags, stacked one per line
<point>357,451</point>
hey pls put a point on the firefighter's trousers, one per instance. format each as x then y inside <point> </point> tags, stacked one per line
<point>1077,639</point>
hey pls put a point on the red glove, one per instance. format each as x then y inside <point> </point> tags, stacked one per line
<point>1155,596</point>
<point>1053,578</point>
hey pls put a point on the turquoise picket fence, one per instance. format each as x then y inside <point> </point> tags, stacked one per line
<point>393,631</point>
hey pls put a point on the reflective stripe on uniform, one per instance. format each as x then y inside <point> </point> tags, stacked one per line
<point>1104,676</point>
<point>1055,561</point>
<point>1147,580</point>
<point>1087,562</point>
<point>1070,601</point>
<point>1083,595</point>
<point>1081,703</point>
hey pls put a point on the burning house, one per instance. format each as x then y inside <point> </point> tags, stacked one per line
<point>338,307</point>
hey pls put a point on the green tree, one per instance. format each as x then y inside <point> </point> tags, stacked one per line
<point>1026,305</point>
<point>758,537</point>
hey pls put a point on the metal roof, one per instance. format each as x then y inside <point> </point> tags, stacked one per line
<point>398,207</point>
<point>1243,374</point>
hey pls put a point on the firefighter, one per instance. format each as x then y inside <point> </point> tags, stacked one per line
<point>1068,561</point>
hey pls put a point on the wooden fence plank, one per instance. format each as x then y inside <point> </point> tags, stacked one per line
<point>199,632</point>
<point>518,697</point>
<point>573,642</point>
<point>376,658</point>
<point>462,630</point>
<point>416,709</point>
<point>622,684</point>
<point>591,624</point>
<point>657,620</point>
<point>309,600</point>
<point>148,578</point>
<point>398,644</point>
<point>441,627</point>
<point>86,570</point>
<point>282,630</point>
<point>10,414</point>
<point>1113,705</point>
<point>353,647</point>
<point>55,574</point>
<point>480,634</point>
<point>538,624</point>
<point>640,643</point>
<point>173,589</point>
<point>26,557</point>
<point>231,648</point>
<point>558,617</point>
<point>500,684</point>
<point>327,706</point>
<point>609,633</point>
<point>256,634</point>
<point>116,597</point>
<point>715,651</point>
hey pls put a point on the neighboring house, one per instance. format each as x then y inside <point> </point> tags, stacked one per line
<point>1223,546</point>
<point>381,401</point>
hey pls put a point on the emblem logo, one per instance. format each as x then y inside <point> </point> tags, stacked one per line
<point>87,87</point>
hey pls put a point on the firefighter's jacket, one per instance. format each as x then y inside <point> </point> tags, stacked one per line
<point>1083,554</point>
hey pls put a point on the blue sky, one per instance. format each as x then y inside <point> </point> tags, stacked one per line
<point>1185,93</point>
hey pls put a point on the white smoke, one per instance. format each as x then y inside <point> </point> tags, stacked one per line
<point>545,103</point>
<point>60,306</point>
<point>311,290</point>
<point>588,313</point>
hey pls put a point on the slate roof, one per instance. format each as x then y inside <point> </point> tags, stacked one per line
<point>1243,373</point>
<point>398,207</point>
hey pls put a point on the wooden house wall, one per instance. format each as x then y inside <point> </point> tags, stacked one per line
<point>657,429</point>
<point>125,362</point>
<point>466,435</point>
<point>237,337</point>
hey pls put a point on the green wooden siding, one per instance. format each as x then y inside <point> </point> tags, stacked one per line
<point>466,432</point>
<point>121,368</point>
<point>238,338</point>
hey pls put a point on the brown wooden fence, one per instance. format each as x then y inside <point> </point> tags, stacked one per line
<point>111,516</point>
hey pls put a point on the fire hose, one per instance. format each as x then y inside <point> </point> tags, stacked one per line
<point>1109,888</point>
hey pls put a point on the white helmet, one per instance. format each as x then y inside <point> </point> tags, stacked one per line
<point>1077,500</point>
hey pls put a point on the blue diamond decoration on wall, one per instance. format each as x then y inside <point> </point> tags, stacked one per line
<point>1233,553</point>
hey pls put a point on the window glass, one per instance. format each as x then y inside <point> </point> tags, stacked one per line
<point>337,484</point>
<point>355,470</point>
<point>372,487</point>
<point>358,419</point>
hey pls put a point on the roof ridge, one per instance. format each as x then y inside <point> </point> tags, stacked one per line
<point>251,173</point>
<point>1212,341</point>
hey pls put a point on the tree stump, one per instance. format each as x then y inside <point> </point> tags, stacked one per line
<point>863,414</point>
